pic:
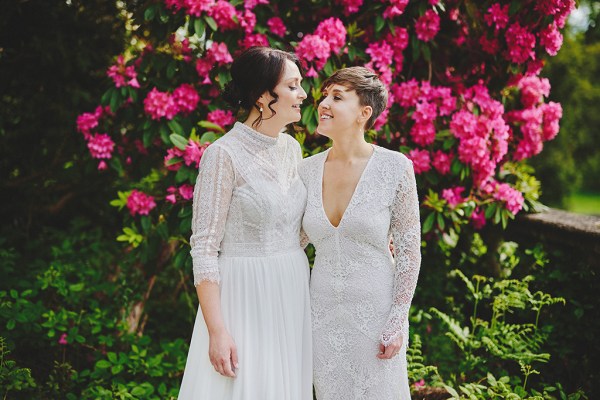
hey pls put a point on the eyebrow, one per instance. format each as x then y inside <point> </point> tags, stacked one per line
<point>335,90</point>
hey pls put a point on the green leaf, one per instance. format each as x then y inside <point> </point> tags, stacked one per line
<point>138,391</point>
<point>211,22</point>
<point>103,364</point>
<point>179,141</point>
<point>211,125</point>
<point>440,221</point>
<point>199,27</point>
<point>208,137</point>
<point>426,53</point>
<point>10,325</point>
<point>114,101</point>
<point>176,127</point>
<point>379,23</point>
<point>428,224</point>
<point>77,287</point>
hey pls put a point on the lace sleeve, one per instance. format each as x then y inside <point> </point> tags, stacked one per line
<point>406,233</point>
<point>212,196</point>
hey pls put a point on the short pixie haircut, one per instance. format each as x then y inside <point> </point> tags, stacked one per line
<point>370,90</point>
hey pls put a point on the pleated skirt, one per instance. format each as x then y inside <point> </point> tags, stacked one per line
<point>266,308</point>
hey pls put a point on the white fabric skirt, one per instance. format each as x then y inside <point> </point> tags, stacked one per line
<point>266,308</point>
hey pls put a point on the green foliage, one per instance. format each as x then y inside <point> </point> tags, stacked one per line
<point>12,377</point>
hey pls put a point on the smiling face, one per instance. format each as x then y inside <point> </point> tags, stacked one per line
<point>290,96</point>
<point>340,111</point>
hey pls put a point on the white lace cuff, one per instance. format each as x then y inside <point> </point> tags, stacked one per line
<point>397,325</point>
<point>205,269</point>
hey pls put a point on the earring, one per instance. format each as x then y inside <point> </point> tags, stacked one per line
<point>260,110</point>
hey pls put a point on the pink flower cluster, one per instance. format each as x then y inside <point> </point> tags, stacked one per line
<point>190,156</point>
<point>395,8</point>
<point>276,26</point>
<point>140,203</point>
<point>381,58</point>
<point>427,26</point>
<point>551,39</point>
<point>482,132</point>
<point>537,122</point>
<point>88,121</point>
<point>255,39</point>
<point>217,54</point>
<point>497,16</point>
<point>453,195</point>
<point>159,104</point>
<point>427,103</point>
<point>420,159</point>
<point>350,6</point>
<point>101,146</point>
<point>186,192</point>
<point>334,32</point>
<point>224,13</point>
<point>521,44</point>
<point>221,118</point>
<point>192,7</point>
<point>512,198</point>
<point>123,74</point>
<point>314,50</point>
<point>560,9</point>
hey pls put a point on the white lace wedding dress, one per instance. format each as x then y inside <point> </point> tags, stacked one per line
<point>248,205</point>
<point>360,295</point>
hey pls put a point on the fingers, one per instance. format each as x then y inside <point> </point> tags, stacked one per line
<point>234,358</point>
<point>388,352</point>
<point>227,370</point>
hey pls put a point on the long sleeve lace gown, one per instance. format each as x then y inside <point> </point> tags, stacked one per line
<point>360,295</point>
<point>248,205</point>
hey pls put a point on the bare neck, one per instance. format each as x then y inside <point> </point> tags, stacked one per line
<point>350,149</point>
<point>269,127</point>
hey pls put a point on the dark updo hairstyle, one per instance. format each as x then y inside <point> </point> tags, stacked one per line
<point>370,90</point>
<point>255,71</point>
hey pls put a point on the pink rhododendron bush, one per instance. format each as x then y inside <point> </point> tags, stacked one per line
<point>467,104</point>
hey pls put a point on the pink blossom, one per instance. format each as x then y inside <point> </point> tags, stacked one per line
<point>140,203</point>
<point>247,21</point>
<point>423,133</point>
<point>421,160</point>
<point>381,53</point>
<point>101,146</point>
<point>497,15</point>
<point>312,48</point>
<point>333,31</point>
<point>276,26</point>
<point>490,46</point>
<point>102,165</point>
<point>478,218</point>
<point>453,195</point>
<point>250,4</point>
<point>223,13</point>
<point>551,39</point>
<point>395,8</point>
<point>221,118</point>
<point>122,74</point>
<point>552,114</point>
<point>63,340</point>
<point>171,154</point>
<point>196,7</point>
<point>559,8</point>
<point>219,53</point>
<point>186,191</point>
<point>398,40</point>
<point>521,44</point>
<point>407,93</point>
<point>88,121</point>
<point>512,198</point>
<point>427,26</point>
<point>533,88</point>
<point>174,5</point>
<point>257,39</point>
<point>420,383</point>
<point>186,98</point>
<point>203,67</point>
<point>350,6</point>
<point>193,153</point>
<point>442,162</point>
<point>171,197</point>
<point>159,104</point>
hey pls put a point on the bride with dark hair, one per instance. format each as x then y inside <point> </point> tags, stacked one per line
<point>252,335</point>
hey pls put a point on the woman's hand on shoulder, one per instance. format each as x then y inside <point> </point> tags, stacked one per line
<point>223,353</point>
<point>387,352</point>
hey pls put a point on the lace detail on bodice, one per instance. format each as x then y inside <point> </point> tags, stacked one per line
<point>353,259</point>
<point>248,199</point>
<point>360,294</point>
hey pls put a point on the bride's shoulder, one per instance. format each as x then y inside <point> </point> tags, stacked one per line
<point>393,158</point>
<point>309,164</point>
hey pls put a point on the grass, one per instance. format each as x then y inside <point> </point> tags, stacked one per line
<point>584,203</point>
